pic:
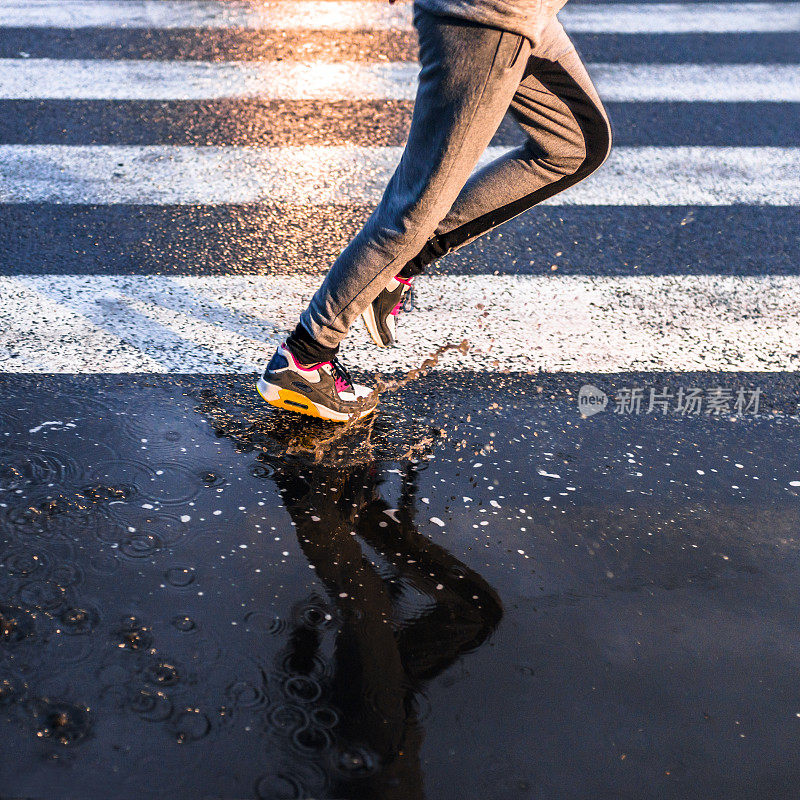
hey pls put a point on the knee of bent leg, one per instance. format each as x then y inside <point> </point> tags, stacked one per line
<point>562,158</point>
<point>579,149</point>
<point>597,142</point>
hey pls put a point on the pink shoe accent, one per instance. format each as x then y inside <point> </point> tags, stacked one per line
<point>341,385</point>
<point>406,282</point>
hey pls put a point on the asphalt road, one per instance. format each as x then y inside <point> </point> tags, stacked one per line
<point>483,592</point>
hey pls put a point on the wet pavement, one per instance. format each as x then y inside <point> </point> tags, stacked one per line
<point>479,593</point>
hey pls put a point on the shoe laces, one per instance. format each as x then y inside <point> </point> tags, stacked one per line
<point>342,379</point>
<point>406,302</point>
<point>408,299</point>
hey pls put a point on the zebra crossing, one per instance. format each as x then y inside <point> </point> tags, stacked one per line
<point>348,15</point>
<point>104,267</point>
<point>66,79</point>
<point>346,174</point>
<point>658,323</point>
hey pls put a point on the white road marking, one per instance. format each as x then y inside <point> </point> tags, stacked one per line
<point>197,80</point>
<point>60,324</point>
<point>348,174</point>
<point>682,18</point>
<point>53,79</point>
<point>207,14</point>
<point>380,15</point>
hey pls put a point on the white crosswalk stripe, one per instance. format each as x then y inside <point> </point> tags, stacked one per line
<point>349,174</point>
<point>349,15</point>
<point>89,323</point>
<point>198,80</point>
<point>227,324</point>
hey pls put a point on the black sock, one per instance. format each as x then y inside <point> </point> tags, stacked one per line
<point>411,270</point>
<point>306,349</point>
<point>432,250</point>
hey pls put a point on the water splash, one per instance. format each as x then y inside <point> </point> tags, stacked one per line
<point>180,576</point>
<point>274,437</point>
<point>133,635</point>
<point>322,446</point>
<point>79,621</point>
<point>184,624</point>
<point>150,705</point>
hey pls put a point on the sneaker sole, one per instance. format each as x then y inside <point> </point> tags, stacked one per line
<point>368,316</point>
<point>287,400</point>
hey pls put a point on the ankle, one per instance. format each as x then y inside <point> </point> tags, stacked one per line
<point>306,350</point>
<point>298,362</point>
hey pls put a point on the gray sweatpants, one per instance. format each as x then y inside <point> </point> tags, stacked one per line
<point>471,76</point>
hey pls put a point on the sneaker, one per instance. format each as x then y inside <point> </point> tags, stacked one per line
<point>322,390</point>
<point>380,316</point>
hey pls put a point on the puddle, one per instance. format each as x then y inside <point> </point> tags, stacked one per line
<point>492,596</point>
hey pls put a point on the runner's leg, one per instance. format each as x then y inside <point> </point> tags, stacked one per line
<point>569,136</point>
<point>468,78</point>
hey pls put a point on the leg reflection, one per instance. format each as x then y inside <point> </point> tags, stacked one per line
<point>406,610</point>
<point>402,609</point>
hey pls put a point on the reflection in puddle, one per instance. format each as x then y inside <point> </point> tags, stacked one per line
<point>188,599</point>
<point>398,610</point>
<point>106,567</point>
<point>347,688</point>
